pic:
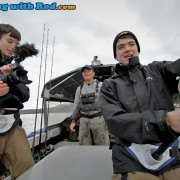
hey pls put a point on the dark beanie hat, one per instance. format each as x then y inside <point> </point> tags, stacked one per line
<point>121,34</point>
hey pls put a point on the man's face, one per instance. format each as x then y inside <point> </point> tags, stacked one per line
<point>88,74</point>
<point>125,49</point>
<point>8,45</point>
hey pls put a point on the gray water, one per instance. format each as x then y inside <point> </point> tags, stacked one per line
<point>29,122</point>
<point>58,112</point>
<point>53,118</point>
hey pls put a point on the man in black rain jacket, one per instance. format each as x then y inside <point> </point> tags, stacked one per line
<point>137,105</point>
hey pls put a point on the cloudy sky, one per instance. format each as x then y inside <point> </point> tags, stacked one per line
<point>89,30</point>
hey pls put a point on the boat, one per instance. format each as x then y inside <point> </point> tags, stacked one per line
<point>63,159</point>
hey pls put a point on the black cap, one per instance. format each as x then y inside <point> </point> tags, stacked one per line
<point>87,67</point>
<point>121,34</point>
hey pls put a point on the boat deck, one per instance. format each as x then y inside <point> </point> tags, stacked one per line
<point>65,143</point>
<point>69,161</point>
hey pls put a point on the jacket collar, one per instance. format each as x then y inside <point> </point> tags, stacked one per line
<point>123,70</point>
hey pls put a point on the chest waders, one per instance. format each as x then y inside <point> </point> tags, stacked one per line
<point>89,102</point>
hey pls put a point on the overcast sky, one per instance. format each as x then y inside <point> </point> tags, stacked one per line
<point>90,29</point>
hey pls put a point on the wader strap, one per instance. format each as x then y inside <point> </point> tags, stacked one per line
<point>124,176</point>
<point>92,115</point>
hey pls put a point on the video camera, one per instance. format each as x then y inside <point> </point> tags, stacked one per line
<point>17,71</point>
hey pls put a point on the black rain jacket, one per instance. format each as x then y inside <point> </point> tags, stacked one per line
<point>18,94</point>
<point>134,103</point>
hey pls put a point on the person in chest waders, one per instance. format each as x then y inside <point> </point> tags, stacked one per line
<point>15,153</point>
<point>137,104</point>
<point>92,128</point>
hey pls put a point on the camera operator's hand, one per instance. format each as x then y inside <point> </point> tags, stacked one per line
<point>6,69</point>
<point>173,120</point>
<point>4,88</point>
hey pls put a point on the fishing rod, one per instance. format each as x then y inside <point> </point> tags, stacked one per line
<point>50,82</point>
<point>46,106</point>
<point>162,148</point>
<point>165,145</point>
<point>43,101</point>
<point>40,67</point>
<point>153,157</point>
<point>52,60</point>
<point>47,149</point>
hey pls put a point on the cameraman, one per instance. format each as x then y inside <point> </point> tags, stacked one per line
<point>15,154</point>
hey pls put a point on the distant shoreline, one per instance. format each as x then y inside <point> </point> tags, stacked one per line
<point>65,108</point>
<point>30,111</point>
